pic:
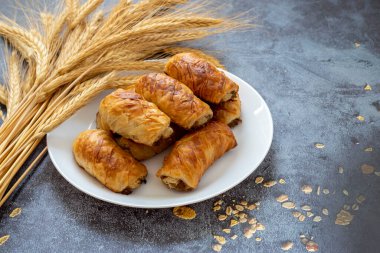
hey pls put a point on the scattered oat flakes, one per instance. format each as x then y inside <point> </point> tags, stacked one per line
<point>282,181</point>
<point>318,190</point>
<point>258,239</point>
<point>217,247</point>
<point>317,218</point>
<point>325,211</point>
<point>259,180</point>
<point>260,227</point>
<point>369,149</point>
<point>216,208</point>
<point>355,207</point>
<point>306,208</point>
<point>360,199</point>
<point>251,207</point>
<point>252,221</point>
<point>226,230</point>
<point>233,223</point>
<point>239,208</point>
<point>340,170</point>
<point>367,87</point>
<point>311,246</point>
<point>229,210</point>
<point>287,245</point>
<point>346,207</point>
<point>302,217</point>
<point>367,169</point>
<point>222,217</point>
<point>270,183</point>
<point>296,214</point>
<point>377,173</point>
<point>234,237</point>
<point>343,218</point>
<point>282,198</point>
<point>345,192</point>
<point>326,191</point>
<point>309,214</point>
<point>15,212</point>
<point>288,205</point>
<point>360,118</point>
<point>220,239</point>
<point>3,239</point>
<point>184,212</point>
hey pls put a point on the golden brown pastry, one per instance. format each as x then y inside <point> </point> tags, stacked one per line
<point>228,112</point>
<point>102,158</point>
<point>202,77</point>
<point>129,115</point>
<point>142,152</point>
<point>194,154</point>
<point>175,99</point>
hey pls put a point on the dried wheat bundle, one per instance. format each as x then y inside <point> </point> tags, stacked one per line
<point>67,57</point>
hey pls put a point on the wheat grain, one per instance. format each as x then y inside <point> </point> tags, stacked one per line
<point>3,95</point>
<point>14,83</point>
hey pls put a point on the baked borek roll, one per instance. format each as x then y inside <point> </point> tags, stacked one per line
<point>202,77</point>
<point>192,155</point>
<point>175,99</point>
<point>131,116</point>
<point>228,112</point>
<point>102,158</point>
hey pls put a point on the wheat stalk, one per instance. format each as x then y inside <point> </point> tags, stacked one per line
<point>85,10</point>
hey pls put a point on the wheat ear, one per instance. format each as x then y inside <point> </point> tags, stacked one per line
<point>14,83</point>
<point>3,95</point>
<point>85,10</point>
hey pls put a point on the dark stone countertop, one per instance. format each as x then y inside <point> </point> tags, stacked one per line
<point>303,60</point>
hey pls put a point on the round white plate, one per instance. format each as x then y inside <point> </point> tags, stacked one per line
<point>254,137</point>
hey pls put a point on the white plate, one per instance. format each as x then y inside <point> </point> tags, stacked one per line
<point>254,137</point>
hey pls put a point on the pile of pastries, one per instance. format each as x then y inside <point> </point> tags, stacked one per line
<point>193,105</point>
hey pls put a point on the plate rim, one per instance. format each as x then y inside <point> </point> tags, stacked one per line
<point>180,203</point>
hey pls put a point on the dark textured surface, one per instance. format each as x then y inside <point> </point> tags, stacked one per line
<point>303,61</point>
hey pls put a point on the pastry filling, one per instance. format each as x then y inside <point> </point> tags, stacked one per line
<point>174,183</point>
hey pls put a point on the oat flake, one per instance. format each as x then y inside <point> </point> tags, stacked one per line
<point>340,170</point>
<point>360,199</point>
<point>369,149</point>
<point>355,207</point>
<point>345,192</point>
<point>15,212</point>
<point>306,208</point>
<point>346,207</point>
<point>216,208</point>
<point>367,87</point>
<point>287,245</point>
<point>229,210</point>
<point>309,214</point>
<point>325,211</point>
<point>282,181</point>
<point>222,217</point>
<point>234,237</point>
<point>377,173</point>
<point>319,145</point>
<point>270,183</point>
<point>251,207</point>
<point>317,219</point>
<point>302,217</point>
<point>217,247</point>
<point>296,214</point>
<point>252,221</point>
<point>360,118</point>
<point>326,191</point>
<point>288,205</point>
<point>312,246</point>
<point>3,239</point>
<point>239,208</point>
<point>184,212</point>
<point>259,180</point>
<point>307,189</point>
<point>258,239</point>
<point>227,230</point>
<point>260,227</point>
<point>282,198</point>
<point>318,190</point>
<point>233,223</point>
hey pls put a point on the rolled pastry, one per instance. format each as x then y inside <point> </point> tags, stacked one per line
<point>129,115</point>
<point>228,112</point>
<point>194,154</point>
<point>102,158</point>
<point>142,152</point>
<point>202,77</point>
<point>175,99</point>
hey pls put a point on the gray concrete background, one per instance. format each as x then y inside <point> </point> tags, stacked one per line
<point>303,61</point>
